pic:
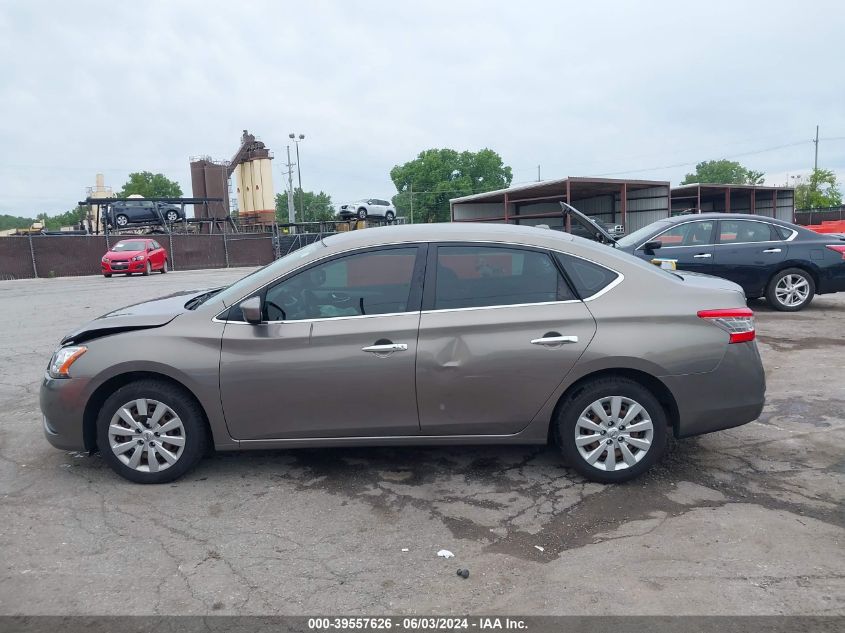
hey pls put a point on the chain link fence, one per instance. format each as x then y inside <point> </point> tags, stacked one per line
<point>31,256</point>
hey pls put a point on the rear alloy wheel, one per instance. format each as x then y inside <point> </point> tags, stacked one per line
<point>791,290</point>
<point>362,213</point>
<point>612,430</point>
<point>163,268</point>
<point>147,268</point>
<point>151,432</point>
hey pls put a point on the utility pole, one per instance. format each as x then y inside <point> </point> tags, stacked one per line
<point>538,173</point>
<point>816,142</point>
<point>291,211</point>
<point>297,139</point>
<point>412,203</point>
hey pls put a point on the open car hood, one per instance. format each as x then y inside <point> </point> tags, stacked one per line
<point>593,228</point>
<point>140,316</point>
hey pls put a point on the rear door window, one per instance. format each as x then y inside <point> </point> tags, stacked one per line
<point>484,276</point>
<point>588,277</point>
<point>745,232</point>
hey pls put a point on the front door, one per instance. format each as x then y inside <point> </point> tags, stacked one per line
<point>748,253</point>
<point>336,355</point>
<point>689,244</point>
<point>500,330</point>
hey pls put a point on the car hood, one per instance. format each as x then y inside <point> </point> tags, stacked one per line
<point>118,255</point>
<point>139,316</point>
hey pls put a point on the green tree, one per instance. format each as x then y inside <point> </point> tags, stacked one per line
<point>14,222</point>
<point>723,172</point>
<point>68,218</point>
<point>150,185</point>
<point>820,190</point>
<point>436,175</point>
<point>317,207</point>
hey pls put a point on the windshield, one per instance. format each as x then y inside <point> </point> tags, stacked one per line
<point>237,290</point>
<point>638,237</point>
<point>129,246</point>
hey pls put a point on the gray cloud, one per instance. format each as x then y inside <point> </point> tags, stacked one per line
<point>581,90</point>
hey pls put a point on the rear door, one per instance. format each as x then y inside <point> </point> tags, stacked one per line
<point>499,331</point>
<point>748,253</point>
<point>689,244</point>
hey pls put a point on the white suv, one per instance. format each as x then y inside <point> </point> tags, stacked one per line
<point>368,208</point>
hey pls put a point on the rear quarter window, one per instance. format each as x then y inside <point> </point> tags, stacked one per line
<point>587,277</point>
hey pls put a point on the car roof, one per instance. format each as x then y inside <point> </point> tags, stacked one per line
<point>445,232</point>
<point>724,216</point>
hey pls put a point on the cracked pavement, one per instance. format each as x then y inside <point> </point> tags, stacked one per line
<point>745,521</point>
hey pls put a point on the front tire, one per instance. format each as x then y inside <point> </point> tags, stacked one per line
<point>791,290</point>
<point>151,432</point>
<point>121,221</point>
<point>611,430</point>
<point>362,213</point>
<point>107,275</point>
<point>147,269</point>
<point>171,216</point>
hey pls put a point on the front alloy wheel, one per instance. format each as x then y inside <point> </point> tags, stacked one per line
<point>151,431</point>
<point>172,216</point>
<point>146,435</point>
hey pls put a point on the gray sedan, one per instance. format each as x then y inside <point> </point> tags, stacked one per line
<point>427,334</point>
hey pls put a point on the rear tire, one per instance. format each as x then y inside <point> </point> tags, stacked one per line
<point>633,452</point>
<point>163,268</point>
<point>182,423</point>
<point>389,216</point>
<point>791,290</point>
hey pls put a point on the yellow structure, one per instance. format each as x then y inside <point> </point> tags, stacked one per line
<point>99,190</point>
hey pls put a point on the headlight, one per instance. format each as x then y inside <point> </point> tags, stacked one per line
<point>137,258</point>
<point>105,260</point>
<point>63,358</point>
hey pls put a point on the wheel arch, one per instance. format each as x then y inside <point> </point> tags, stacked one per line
<point>801,264</point>
<point>102,393</point>
<point>653,384</point>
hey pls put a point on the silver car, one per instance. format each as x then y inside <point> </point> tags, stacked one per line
<point>428,334</point>
<point>368,208</point>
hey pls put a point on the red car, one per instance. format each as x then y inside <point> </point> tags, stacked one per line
<point>138,255</point>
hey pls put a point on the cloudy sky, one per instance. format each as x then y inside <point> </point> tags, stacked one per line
<point>628,89</point>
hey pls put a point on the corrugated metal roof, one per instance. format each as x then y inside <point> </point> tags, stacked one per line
<point>556,187</point>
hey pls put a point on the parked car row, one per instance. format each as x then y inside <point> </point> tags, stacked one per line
<point>783,262</point>
<point>440,334</point>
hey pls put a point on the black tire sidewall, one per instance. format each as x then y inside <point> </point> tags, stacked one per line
<point>185,407</point>
<point>771,296</point>
<point>362,214</point>
<point>571,409</point>
<point>148,268</point>
<point>164,267</point>
<point>174,214</point>
<point>389,216</point>
<point>125,222</point>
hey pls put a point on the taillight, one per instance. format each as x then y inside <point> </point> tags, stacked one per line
<point>839,249</point>
<point>738,322</point>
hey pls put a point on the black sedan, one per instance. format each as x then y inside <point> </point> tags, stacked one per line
<point>783,262</point>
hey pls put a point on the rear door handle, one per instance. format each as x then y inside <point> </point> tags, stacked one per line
<point>387,348</point>
<point>772,250</point>
<point>554,340</point>
<point>702,256</point>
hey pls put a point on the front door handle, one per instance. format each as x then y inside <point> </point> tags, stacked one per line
<point>554,340</point>
<point>772,250</point>
<point>702,256</point>
<point>386,348</point>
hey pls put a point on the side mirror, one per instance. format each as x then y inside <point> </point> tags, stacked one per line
<point>251,309</point>
<point>650,247</point>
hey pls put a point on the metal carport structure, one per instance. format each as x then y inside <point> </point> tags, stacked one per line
<point>631,203</point>
<point>777,202</point>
